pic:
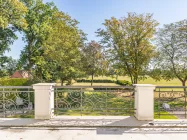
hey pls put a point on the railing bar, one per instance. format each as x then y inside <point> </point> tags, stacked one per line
<point>171,86</point>
<point>4,104</point>
<point>81,102</point>
<point>159,103</point>
<point>17,91</point>
<point>56,95</point>
<point>169,91</point>
<point>172,114</point>
<point>106,110</point>
<point>185,103</point>
<point>101,90</point>
<point>16,87</point>
<point>100,109</point>
<point>131,87</point>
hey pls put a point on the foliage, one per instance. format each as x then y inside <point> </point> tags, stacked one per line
<point>96,81</point>
<point>123,83</point>
<point>7,38</point>
<point>11,17</point>
<point>93,59</point>
<point>12,13</point>
<point>39,18</point>
<point>14,82</point>
<point>115,71</point>
<point>9,67</point>
<point>119,82</point>
<point>63,47</point>
<point>171,61</point>
<point>128,42</point>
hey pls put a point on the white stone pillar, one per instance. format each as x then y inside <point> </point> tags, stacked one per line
<point>44,100</point>
<point>144,101</point>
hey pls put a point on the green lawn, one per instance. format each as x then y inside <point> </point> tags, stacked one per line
<point>174,82</point>
<point>95,84</point>
<point>166,116</point>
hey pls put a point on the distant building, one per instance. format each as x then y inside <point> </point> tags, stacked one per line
<point>21,74</point>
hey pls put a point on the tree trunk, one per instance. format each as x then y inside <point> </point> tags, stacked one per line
<point>116,77</point>
<point>184,84</point>
<point>92,79</point>
<point>134,80</point>
<point>62,82</point>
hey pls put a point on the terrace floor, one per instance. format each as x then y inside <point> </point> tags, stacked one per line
<point>92,128</point>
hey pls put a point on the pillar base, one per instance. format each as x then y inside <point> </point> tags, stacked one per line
<point>144,102</point>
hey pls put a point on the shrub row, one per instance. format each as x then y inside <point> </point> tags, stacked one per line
<point>119,82</point>
<point>15,82</point>
<point>95,81</point>
<point>27,82</point>
<point>123,83</point>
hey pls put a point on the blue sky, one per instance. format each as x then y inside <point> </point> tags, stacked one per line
<point>92,13</point>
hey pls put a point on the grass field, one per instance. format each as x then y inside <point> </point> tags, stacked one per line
<point>95,84</point>
<point>174,82</point>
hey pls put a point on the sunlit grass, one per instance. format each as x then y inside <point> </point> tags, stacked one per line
<point>164,115</point>
<point>148,80</point>
<point>95,84</point>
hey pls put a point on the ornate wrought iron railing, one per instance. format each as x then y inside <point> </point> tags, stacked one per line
<point>93,101</point>
<point>16,101</point>
<point>170,101</point>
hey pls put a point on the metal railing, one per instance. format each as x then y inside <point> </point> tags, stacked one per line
<point>94,100</point>
<point>170,102</point>
<point>16,101</point>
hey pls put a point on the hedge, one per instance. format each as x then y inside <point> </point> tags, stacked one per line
<point>119,82</point>
<point>123,83</point>
<point>95,81</point>
<point>15,82</point>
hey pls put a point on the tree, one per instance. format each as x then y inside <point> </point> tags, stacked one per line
<point>115,71</point>
<point>11,18</point>
<point>94,59</point>
<point>128,41</point>
<point>7,37</point>
<point>39,19</point>
<point>12,13</point>
<point>9,67</point>
<point>172,52</point>
<point>63,46</point>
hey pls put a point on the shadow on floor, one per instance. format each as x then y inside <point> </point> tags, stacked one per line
<point>103,126</point>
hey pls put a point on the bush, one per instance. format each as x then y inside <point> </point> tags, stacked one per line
<point>123,83</point>
<point>95,81</point>
<point>16,82</point>
<point>119,82</point>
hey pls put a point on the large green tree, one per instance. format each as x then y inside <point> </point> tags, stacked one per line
<point>39,19</point>
<point>171,61</point>
<point>63,47</point>
<point>128,41</point>
<point>11,19</point>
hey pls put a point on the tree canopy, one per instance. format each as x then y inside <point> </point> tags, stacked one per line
<point>39,18</point>
<point>172,52</point>
<point>11,18</point>
<point>128,41</point>
<point>63,46</point>
<point>93,59</point>
<point>12,13</point>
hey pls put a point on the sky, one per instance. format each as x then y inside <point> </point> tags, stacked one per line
<point>92,13</point>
